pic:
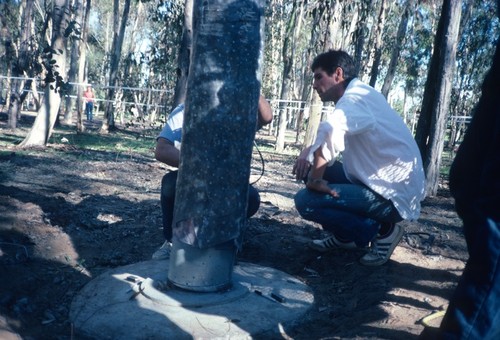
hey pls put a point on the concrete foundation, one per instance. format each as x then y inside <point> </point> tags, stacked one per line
<point>136,302</point>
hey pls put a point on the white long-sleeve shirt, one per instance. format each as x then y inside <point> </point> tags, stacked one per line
<point>377,148</point>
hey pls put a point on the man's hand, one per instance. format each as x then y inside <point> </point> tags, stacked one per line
<point>322,186</point>
<point>301,168</point>
<point>302,165</point>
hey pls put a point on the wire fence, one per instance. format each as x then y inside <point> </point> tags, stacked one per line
<point>148,100</point>
<point>145,97</point>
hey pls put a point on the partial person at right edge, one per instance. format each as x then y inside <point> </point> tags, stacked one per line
<point>474,309</point>
<point>380,179</point>
<point>168,151</point>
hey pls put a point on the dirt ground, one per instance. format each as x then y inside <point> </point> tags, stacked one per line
<point>68,215</point>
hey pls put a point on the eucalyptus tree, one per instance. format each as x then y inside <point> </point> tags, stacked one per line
<point>82,61</point>
<point>289,53</point>
<point>55,63</point>
<point>184,55</point>
<point>361,33</point>
<point>415,54</point>
<point>325,17</point>
<point>376,54</point>
<point>119,24</point>
<point>478,28</point>
<point>77,22</point>
<point>395,46</point>
<point>432,121</point>
<point>7,55</point>
<point>23,59</point>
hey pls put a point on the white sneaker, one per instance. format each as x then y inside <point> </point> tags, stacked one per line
<point>381,248</point>
<point>163,252</point>
<point>331,243</point>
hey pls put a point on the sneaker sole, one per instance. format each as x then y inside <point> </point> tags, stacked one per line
<point>381,259</point>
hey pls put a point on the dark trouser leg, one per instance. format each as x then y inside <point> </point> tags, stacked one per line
<point>167,200</point>
<point>474,310</point>
<point>253,201</point>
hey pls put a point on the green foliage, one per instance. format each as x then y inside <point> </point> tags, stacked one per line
<point>474,55</point>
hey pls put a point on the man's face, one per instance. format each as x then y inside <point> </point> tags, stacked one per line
<point>329,87</point>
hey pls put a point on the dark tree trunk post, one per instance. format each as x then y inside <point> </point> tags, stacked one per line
<point>219,128</point>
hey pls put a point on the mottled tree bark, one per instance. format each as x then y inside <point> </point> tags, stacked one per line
<point>431,125</point>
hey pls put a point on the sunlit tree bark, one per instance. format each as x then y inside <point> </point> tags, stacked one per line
<point>184,55</point>
<point>47,114</point>
<point>398,44</point>
<point>377,48</point>
<point>435,105</point>
<point>120,23</point>
<point>73,65</point>
<point>82,48</point>
<point>288,54</point>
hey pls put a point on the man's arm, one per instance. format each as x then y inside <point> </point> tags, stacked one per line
<point>315,180</point>
<point>265,113</point>
<point>166,152</point>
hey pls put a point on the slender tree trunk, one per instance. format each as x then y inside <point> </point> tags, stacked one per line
<point>47,115</point>
<point>435,104</point>
<point>314,119</point>
<point>73,65</point>
<point>288,55</point>
<point>109,117</point>
<point>361,33</point>
<point>82,48</point>
<point>321,22</point>
<point>400,36</point>
<point>377,49</point>
<point>184,55</point>
<point>21,65</point>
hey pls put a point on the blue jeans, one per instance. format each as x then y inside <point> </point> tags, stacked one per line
<point>474,310</point>
<point>167,199</point>
<point>356,215</point>
<point>89,108</point>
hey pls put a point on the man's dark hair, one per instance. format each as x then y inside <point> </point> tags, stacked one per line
<point>329,61</point>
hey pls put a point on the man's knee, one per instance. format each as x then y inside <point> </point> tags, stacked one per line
<point>302,201</point>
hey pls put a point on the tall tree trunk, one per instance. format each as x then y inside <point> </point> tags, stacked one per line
<point>8,56</point>
<point>82,48</point>
<point>398,43</point>
<point>361,33</point>
<point>322,23</point>
<point>47,115</point>
<point>314,119</point>
<point>288,55</point>
<point>118,35</point>
<point>218,133</point>
<point>184,55</point>
<point>377,49</point>
<point>21,65</point>
<point>431,125</point>
<point>73,65</point>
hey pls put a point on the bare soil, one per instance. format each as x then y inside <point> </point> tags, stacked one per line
<point>68,215</point>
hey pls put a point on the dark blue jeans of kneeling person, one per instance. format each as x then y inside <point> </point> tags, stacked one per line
<point>356,215</point>
<point>168,184</point>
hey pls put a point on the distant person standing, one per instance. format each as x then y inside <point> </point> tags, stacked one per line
<point>89,97</point>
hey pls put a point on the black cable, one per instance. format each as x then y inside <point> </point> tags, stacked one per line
<point>262,160</point>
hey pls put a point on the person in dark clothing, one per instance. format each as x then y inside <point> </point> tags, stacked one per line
<point>474,309</point>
